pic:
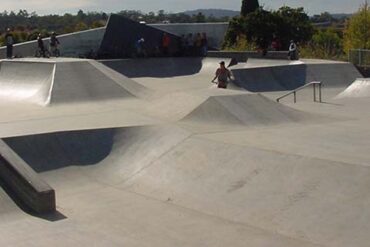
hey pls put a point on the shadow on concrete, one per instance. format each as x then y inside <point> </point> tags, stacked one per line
<point>52,217</point>
<point>156,67</point>
<point>121,35</point>
<point>53,151</point>
<point>330,103</point>
<point>268,79</point>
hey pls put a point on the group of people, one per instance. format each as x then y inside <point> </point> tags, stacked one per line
<point>194,44</point>
<point>189,45</point>
<point>163,49</point>
<point>54,42</point>
<point>276,45</point>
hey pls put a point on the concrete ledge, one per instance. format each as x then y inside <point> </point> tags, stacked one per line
<point>27,186</point>
<point>243,56</point>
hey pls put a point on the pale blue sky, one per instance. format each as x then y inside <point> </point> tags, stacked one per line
<point>62,6</point>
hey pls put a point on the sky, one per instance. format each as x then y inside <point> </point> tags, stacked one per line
<point>43,7</point>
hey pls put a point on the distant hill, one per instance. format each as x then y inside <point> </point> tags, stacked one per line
<point>218,13</point>
<point>341,16</point>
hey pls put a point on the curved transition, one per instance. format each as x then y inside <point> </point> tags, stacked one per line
<point>59,81</point>
<point>114,150</point>
<point>358,89</point>
<point>290,77</point>
<point>26,81</point>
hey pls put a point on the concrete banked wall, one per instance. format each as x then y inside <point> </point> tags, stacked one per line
<point>290,77</point>
<point>72,45</point>
<point>21,180</point>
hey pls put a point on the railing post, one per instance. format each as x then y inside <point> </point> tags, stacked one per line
<point>320,93</point>
<point>314,92</point>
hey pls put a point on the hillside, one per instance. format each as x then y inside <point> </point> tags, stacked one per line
<point>218,13</point>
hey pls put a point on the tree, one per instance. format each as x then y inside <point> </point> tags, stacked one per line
<point>249,6</point>
<point>293,24</point>
<point>200,18</point>
<point>237,27</point>
<point>326,44</point>
<point>357,32</point>
<point>261,26</point>
<point>323,17</point>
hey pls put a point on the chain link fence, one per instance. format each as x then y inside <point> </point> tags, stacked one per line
<point>360,57</point>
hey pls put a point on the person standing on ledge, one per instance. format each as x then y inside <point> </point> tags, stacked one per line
<point>40,44</point>
<point>293,53</point>
<point>54,42</point>
<point>223,75</point>
<point>9,40</point>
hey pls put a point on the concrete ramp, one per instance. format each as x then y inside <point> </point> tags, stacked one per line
<point>243,109</point>
<point>46,82</point>
<point>81,81</point>
<point>120,152</point>
<point>289,77</point>
<point>358,89</point>
<point>26,81</point>
<point>274,78</point>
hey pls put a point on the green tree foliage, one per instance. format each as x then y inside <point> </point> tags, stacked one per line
<point>200,18</point>
<point>323,17</point>
<point>293,24</point>
<point>326,44</point>
<point>249,6</point>
<point>261,26</point>
<point>237,28</point>
<point>357,32</point>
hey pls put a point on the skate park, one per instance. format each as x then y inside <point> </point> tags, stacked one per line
<point>148,152</point>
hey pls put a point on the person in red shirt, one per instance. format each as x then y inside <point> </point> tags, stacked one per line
<point>166,41</point>
<point>223,75</point>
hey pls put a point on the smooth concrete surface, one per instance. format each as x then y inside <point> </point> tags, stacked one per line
<point>53,81</point>
<point>191,165</point>
<point>358,89</point>
<point>293,75</point>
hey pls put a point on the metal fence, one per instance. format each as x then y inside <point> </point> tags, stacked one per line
<point>359,57</point>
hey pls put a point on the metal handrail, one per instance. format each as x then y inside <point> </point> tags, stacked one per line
<point>294,92</point>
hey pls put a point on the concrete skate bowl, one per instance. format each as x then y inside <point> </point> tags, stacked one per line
<point>59,81</point>
<point>156,67</point>
<point>247,110</point>
<point>358,89</point>
<point>290,77</point>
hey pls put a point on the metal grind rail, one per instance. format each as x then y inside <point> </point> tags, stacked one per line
<point>317,85</point>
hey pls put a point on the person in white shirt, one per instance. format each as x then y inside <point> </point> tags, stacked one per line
<point>293,54</point>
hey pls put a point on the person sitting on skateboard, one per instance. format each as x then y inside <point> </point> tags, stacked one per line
<point>223,75</point>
